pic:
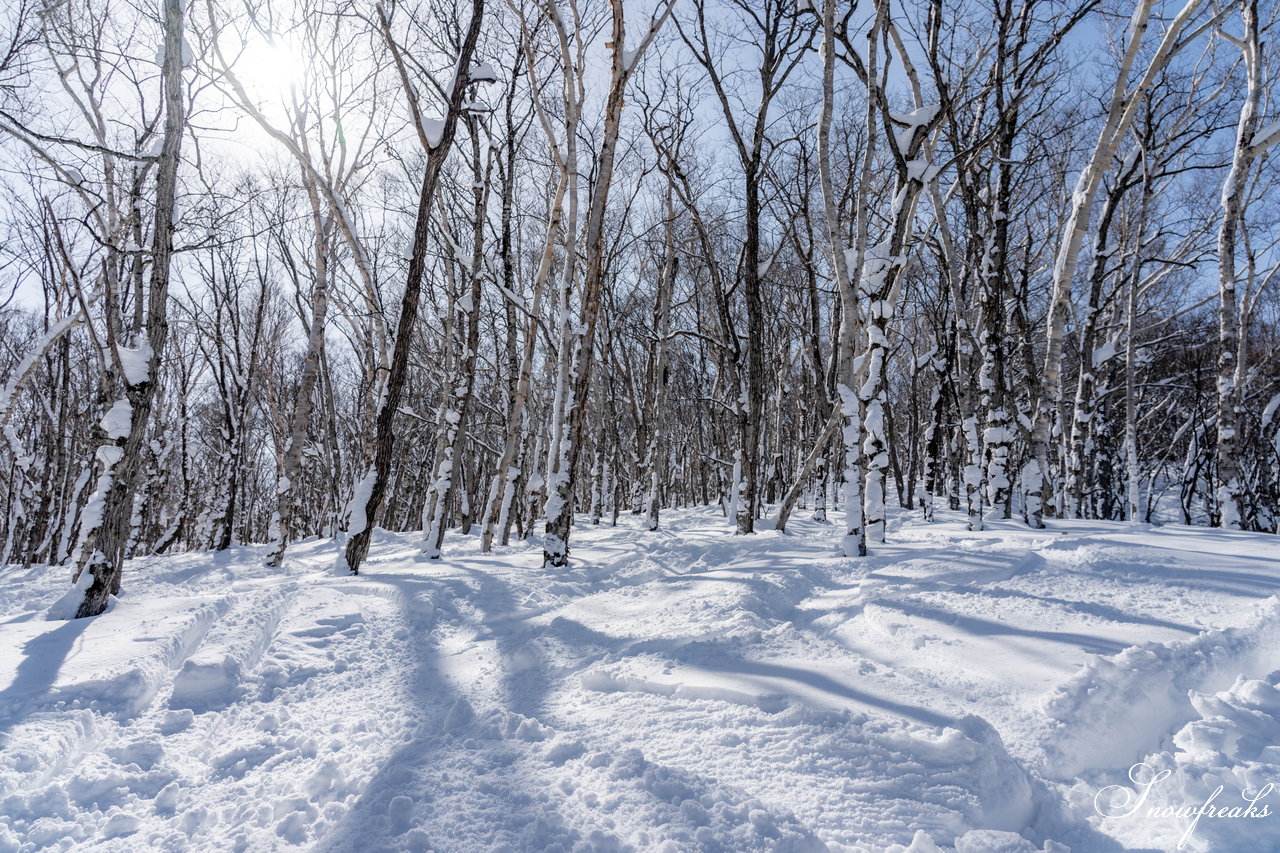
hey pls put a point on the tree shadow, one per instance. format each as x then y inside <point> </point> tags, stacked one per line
<point>989,628</point>
<point>1090,608</point>
<point>1222,581</point>
<point>466,776</point>
<point>42,657</point>
<point>716,655</point>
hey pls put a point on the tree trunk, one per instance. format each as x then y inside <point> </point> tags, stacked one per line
<point>1123,109</point>
<point>460,380</point>
<point>291,456</point>
<point>370,491</point>
<point>658,413</point>
<point>1231,361</point>
<point>103,538</point>
<point>572,417</point>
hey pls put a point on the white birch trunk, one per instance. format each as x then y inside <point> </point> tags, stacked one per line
<point>1123,109</point>
<point>1231,324</point>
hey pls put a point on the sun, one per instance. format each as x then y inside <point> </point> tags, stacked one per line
<point>268,69</point>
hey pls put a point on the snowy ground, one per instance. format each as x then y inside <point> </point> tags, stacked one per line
<point>683,690</point>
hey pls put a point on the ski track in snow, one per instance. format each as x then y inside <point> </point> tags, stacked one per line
<point>679,690</point>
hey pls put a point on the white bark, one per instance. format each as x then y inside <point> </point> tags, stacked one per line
<point>1124,104</point>
<point>1232,310</point>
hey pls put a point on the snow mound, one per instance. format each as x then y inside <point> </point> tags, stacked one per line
<point>211,677</point>
<point>69,602</point>
<point>1094,726</point>
<point>43,745</point>
<point>979,841</point>
<point>1216,788</point>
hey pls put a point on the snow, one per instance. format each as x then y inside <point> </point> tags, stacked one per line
<point>433,128</point>
<point>483,73</point>
<point>69,602</point>
<point>917,117</point>
<point>680,690</point>
<point>997,435</point>
<point>358,508</point>
<point>136,362</point>
<point>1269,411</point>
<point>1266,137</point>
<point>1213,788</point>
<point>1105,689</point>
<point>118,420</point>
<point>913,120</point>
<point>19,374</point>
<point>1105,353</point>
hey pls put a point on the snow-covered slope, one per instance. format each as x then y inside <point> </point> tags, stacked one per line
<point>679,690</point>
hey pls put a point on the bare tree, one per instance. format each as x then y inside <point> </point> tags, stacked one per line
<point>436,137</point>
<point>578,340</point>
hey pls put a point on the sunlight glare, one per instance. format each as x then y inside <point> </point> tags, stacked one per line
<point>268,69</point>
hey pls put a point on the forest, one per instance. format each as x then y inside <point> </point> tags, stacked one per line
<point>286,269</point>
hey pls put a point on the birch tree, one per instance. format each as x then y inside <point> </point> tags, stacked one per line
<point>1126,98</point>
<point>781,39</point>
<point>577,343</point>
<point>136,353</point>
<point>436,138</point>
<point>1233,307</point>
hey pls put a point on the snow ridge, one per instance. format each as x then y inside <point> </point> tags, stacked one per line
<point>1094,726</point>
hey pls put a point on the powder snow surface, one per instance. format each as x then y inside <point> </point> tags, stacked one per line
<point>679,690</point>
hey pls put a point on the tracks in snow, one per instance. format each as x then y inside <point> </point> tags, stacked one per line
<point>679,689</point>
<point>250,718</point>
